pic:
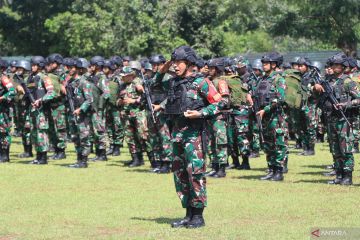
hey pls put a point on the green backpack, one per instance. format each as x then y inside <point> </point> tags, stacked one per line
<point>294,91</point>
<point>56,83</point>
<point>114,92</point>
<point>237,90</point>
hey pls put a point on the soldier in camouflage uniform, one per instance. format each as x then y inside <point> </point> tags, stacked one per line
<point>339,132</point>
<point>101,84</point>
<point>216,126</point>
<point>115,129</point>
<point>190,99</point>
<point>159,132</point>
<point>57,120</point>
<point>271,96</point>
<point>82,92</point>
<point>43,92</point>
<point>7,94</point>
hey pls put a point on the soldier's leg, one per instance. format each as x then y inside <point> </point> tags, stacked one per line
<point>165,141</point>
<point>254,136</point>
<point>155,142</point>
<point>40,126</point>
<point>134,145</point>
<point>241,118</point>
<point>220,143</point>
<point>346,141</point>
<point>98,123</point>
<point>110,130</point>
<point>211,147</point>
<point>118,128</point>
<point>5,137</point>
<point>233,150</point>
<point>355,123</point>
<point>59,119</point>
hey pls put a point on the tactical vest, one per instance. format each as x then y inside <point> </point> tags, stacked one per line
<point>340,94</point>
<point>157,93</point>
<point>98,102</point>
<point>114,92</point>
<point>182,97</point>
<point>263,94</point>
<point>238,90</point>
<point>55,80</point>
<point>36,86</point>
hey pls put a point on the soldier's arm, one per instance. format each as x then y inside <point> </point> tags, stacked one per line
<point>224,91</point>
<point>49,87</point>
<point>89,98</point>
<point>105,88</point>
<point>213,97</point>
<point>10,94</point>
<point>354,92</point>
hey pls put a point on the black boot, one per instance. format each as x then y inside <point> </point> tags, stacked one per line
<point>197,219</point>
<point>91,147</point>
<point>269,175</point>
<point>298,144</point>
<point>278,175</point>
<point>136,160</point>
<point>81,163</point>
<point>310,150</point>
<point>330,167</point>
<point>54,156</point>
<point>339,176</point>
<point>220,173</point>
<point>37,159</point>
<point>141,158</point>
<point>254,154</point>
<point>235,163</point>
<point>332,173</point>
<point>102,155</point>
<point>2,155</point>
<point>110,151</point>
<point>183,222</point>
<point>347,179</point>
<point>165,168</point>
<point>7,154</point>
<point>214,169</point>
<point>155,166</point>
<point>42,158</point>
<point>116,151</point>
<point>356,147</point>
<point>60,154</point>
<point>245,165</point>
<point>27,152</point>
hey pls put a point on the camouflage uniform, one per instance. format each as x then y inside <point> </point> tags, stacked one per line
<point>355,120</point>
<point>7,92</point>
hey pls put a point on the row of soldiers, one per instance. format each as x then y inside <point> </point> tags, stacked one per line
<point>178,110</point>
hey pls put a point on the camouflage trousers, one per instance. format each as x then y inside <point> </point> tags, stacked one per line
<point>341,144</point>
<point>98,129</point>
<point>115,129</point>
<point>238,132</point>
<point>80,133</point>
<point>321,128</point>
<point>39,130</point>
<point>311,118</point>
<point>136,131</point>
<point>189,168</point>
<point>218,140</point>
<point>5,128</point>
<point>355,123</point>
<point>296,124</point>
<point>160,138</point>
<point>26,127</point>
<point>57,127</point>
<point>275,138</point>
<point>254,133</point>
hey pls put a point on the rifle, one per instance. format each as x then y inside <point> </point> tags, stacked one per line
<point>256,108</point>
<point>148,98</point>
<point>329,92</point>
<point>28,93</point>
<point>70,99</point>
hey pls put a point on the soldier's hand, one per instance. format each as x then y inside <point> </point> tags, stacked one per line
<point>63,89</point>
<point>77,112</point>
<point>140,88</point>
<point>1,98</point>
<point>156,107</point>
<point>37,103</point>
<point>120,102</point>
<point>261,113</point>
<point>20,90</point>
<point>128,101</point>
<point>165,67</point>
<point>342,106</point>
<point>192,114</point>
<point>249,100</point>
<point>319,88</point>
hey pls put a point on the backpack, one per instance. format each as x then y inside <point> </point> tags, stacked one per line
<point>56,83</point>
<point>294,93</point>
<point>238,90</point>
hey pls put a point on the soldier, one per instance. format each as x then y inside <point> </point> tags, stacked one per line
<point>133,115</point>
<point>216,125</point>
<point>190,99</point>
<point>271,96</point>
<point>113,122</point>
<point>159,131</point>
<point>82,92</point>
<point>7,94</point>
<point>339,131</point>
<point>57,120</point>
<point>42,92</point>
<point>126,60</point>
<point>98,79</point>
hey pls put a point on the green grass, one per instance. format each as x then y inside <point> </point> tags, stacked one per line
<point>110,201</point>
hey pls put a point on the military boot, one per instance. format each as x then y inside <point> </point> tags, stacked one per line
<point>183,222</point>
<point>136,161</point>
<point>37,159</point>
<point>347,179</point>
<point>220,173</point>
<point>356,147</point>
<point>81,163</point>
<point>56,151</point>
<point>102,155</point>
<point>97,155</point>
<point>278,174</point>
<point>116,150</point>
<point>141,158</point>
<point>7,154</point>
<point>269,175</point>
<point>42,159</point>
<point>332,173</point>
<point>235,163</point>
<point>339,176</point>
<point>2,155</point>
<point>91,147</point>
<point>245,165</point>
<point>60,154</point>
<point>298,144</point>
<point>155,166</point>
<point>310,150</point>
<point>254,154</point>
<point>27,152</point>
<point>165,168</point>
<point>197,219</point>
<point>110,151</point>
<point>214,169</point>
<point>285,166</point>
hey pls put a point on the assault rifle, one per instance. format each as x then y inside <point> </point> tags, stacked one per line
<point>148,98</point>
<point>256,108</point>
<point>70,99</point>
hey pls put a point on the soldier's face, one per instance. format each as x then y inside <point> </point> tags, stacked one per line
<point>106,70</point>
<point>180,67</point>
<point>72,70</point>
<point>19,71</point>
<point>303,68</point>
<point>257,72</point>
<point>337,68</point>
<point>212,71</point>
<point>13,69</point>
<point>205,70</point>
<point>125,63</point>
<point>266,66</point>
<point>34,68</point>
<point>295,66</point>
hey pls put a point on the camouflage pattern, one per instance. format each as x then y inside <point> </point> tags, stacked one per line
<point>7,95</point>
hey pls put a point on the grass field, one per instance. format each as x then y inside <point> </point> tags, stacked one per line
<point>110,201</point>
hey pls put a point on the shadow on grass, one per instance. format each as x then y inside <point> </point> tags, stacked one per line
<point>138,170</point>
<point>314,181</point>
<point>160,220</point>
<point>315,166</point>
<point>313,173</point>
<point>251,177</point>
